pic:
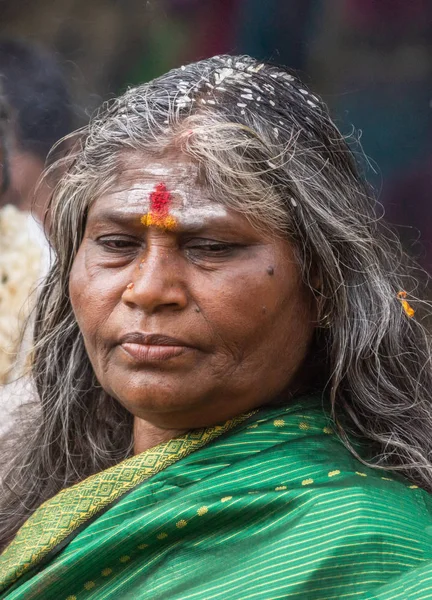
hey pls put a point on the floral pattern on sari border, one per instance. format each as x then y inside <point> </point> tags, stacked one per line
<point>60,516</point>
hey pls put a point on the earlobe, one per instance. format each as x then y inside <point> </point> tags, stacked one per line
<point>315,299</point>
<point>316,283</point>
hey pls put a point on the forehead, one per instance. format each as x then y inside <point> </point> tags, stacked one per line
<point>139,180</point>
<point>139,175</point>
<point>129,198</point>
<point>173,165</point>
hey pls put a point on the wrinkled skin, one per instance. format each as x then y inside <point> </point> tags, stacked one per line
<point>230,293</point>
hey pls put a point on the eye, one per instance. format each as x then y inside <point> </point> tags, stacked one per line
<point>208,249</point>
<point>215,247</point>
<point>117,244</point>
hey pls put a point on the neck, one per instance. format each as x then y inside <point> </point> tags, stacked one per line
<point>147,435</point>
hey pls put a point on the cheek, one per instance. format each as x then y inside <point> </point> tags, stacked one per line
<point>93,295</point>
<point>283,328</point>
<point>77,285</point>
<point>248,308</point>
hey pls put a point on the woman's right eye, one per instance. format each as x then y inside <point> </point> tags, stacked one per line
<point>117,244</point>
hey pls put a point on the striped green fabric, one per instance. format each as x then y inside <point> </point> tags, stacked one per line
<point>275,508</point>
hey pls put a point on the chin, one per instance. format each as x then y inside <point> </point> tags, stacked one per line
<point>151,398</point>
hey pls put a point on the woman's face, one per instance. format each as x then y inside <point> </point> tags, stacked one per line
<point>195,319</point>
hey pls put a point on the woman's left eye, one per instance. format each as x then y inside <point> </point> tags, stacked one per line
<point>210,249</point>
<point>215,247</point>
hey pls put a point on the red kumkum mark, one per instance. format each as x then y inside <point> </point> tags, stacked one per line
<point>160,200</point>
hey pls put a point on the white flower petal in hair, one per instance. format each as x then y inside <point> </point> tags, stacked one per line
<point>255,68</point>
<point>183,101</point>
<point>256,85</point>
<point>222,74</point>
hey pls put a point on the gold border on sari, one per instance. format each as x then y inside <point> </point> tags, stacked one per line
<point>59,517</point>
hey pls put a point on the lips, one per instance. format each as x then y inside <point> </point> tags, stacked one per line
<point>148,348</point>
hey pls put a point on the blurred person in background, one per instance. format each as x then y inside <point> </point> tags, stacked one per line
<point>35,89</point>
<point>20,258</point>
<point>36,113</point>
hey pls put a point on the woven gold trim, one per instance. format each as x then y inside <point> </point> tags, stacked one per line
<point>60,516</point>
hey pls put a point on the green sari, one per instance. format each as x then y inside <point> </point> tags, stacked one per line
<point>269,505</point>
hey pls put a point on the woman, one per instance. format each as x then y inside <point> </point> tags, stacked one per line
<point>234,389</point>
<point>20,268</point>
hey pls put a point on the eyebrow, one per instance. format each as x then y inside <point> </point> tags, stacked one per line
<point>115,216</point>
<point>125,218</point>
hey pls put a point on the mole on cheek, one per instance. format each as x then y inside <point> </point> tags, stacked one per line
<point>270,270</point>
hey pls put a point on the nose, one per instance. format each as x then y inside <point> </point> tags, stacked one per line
<point>159,282</point>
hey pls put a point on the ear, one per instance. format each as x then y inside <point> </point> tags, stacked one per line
<point>315,283</point>
<point>315,280</point>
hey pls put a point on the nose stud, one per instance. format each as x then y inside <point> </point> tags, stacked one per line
<point>130,286</point>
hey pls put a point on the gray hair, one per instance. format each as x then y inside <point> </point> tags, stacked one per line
<point>266,147</point>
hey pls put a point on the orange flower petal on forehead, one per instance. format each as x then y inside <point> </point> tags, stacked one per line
<point>158,215</point>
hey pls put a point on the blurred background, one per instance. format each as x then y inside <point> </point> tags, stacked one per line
<point>371,60</point>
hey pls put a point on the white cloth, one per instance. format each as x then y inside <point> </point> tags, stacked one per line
<point>25,258</point>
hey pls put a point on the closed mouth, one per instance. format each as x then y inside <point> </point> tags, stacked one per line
<point>151,339</point>
<point>150,348</point>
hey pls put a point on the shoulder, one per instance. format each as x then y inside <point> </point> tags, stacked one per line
<point>313,465</point>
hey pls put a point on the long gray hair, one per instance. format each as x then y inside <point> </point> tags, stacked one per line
<point>266,147</point>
